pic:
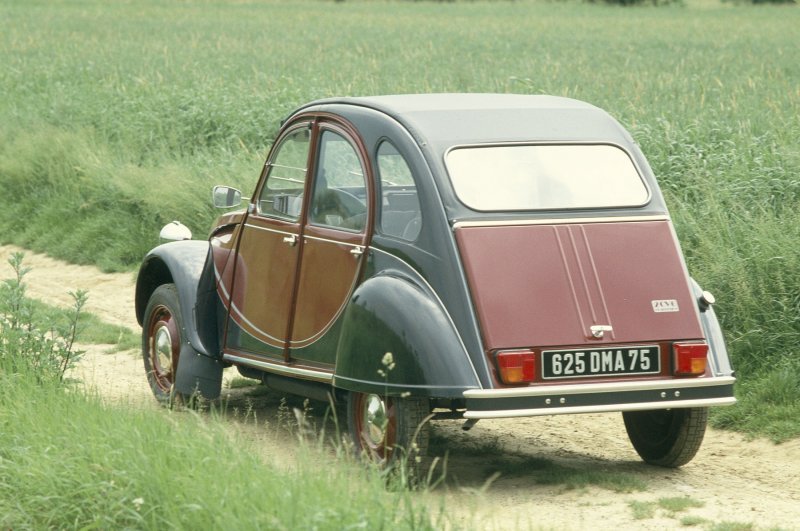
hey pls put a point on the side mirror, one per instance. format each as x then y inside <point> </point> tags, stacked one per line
<point>226,197</point>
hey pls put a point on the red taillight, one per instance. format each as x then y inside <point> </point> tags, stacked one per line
<point>517,366</point>
<point>690,358</point>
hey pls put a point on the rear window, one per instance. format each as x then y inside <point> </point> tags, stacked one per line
<point>533,177</point>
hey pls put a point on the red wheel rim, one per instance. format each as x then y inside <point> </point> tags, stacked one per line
<point>163,342</point>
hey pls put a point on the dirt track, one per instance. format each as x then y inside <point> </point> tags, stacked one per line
<point>748,482</point>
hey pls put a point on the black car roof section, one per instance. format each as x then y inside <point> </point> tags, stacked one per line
<point>453,119</point>
<point>455,102</point>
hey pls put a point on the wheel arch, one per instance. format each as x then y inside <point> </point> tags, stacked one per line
<point>188,265</point>
<point>390,313</point>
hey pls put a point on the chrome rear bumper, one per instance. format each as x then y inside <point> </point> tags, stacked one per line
<point>598,397</point>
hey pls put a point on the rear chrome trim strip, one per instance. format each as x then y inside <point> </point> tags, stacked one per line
<point>557,221</point>
<point>614,387</point>
<point>606,408</point>
<point>278,368</point>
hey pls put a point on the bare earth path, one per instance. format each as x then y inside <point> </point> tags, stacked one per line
<point>736,480</point>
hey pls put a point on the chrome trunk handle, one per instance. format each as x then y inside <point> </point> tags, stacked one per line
<point>598,331</point>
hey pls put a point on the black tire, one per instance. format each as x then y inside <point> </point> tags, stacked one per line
<point>667,437</point>
<point>161,341</point>
<point>390,431</point>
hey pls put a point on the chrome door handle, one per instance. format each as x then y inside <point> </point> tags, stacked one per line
<point>291,240</point>
<point>357,251</point>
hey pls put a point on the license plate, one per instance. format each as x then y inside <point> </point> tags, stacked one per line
<point>616,361</point>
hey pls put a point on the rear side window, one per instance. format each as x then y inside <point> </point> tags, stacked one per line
<point>536,177</point>
<point>400,211</point>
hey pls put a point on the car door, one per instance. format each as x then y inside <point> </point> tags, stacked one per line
<point>259,317</point>
<point>335,235</point>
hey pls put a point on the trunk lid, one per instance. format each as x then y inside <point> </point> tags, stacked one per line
<point>547,285</point>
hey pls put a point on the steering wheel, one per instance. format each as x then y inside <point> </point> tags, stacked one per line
<point>349,202</point>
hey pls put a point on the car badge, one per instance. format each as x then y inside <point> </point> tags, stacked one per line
<point>665,305</point>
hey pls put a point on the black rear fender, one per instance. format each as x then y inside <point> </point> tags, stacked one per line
<point>392,314</point>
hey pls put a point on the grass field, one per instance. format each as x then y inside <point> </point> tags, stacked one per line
<point>68,461</point>
<point>116,118</point>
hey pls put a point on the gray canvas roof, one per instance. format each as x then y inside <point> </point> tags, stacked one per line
<point>450,119</point>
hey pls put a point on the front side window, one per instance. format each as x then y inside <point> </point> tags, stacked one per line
<point>282,194</point>
<point>534,177</point>
<point>340,194</point>
<point>400,210</point>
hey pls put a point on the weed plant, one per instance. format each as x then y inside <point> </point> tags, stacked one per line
<point>43,349</point>
<point>119,117</point>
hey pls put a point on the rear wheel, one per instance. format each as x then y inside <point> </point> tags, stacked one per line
<point>388,429</point>
<point>161,341</point>
<point>667,437</point>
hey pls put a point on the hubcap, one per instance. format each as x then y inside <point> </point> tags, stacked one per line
<point>164,348</point>
<point>375,420</point>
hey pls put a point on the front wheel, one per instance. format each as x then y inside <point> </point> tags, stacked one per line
<point>161,340</point>
<point>667,437</point>
<point>388,429</point>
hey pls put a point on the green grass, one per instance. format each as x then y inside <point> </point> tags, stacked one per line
<point>548,472</point>
<point>241,383</point>
<point>670,508</point>
<point>691,521</point>
<point>679,504</point>
<point>642,510</point>
<point>574,478</point>
<point>769,403</point>
<point>67,461</point>
<point>119,117</point>
<point>509,463</point>
<point>732,526</point>
<point>91,329</point>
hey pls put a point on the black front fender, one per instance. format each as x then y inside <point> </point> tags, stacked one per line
<point>389,314</point>
<point>188,265</point>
